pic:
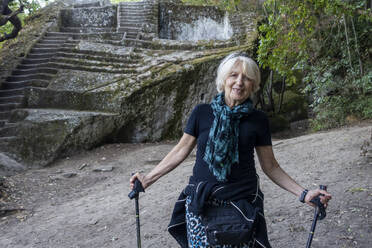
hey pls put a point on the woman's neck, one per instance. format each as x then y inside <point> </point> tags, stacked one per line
<point>231,103</point>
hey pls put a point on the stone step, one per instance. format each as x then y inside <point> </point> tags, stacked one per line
<point>44,50</point>
<point>131,24</point>
<point>7,139</point>
<point>4,115</point>
<point>9,106</point>
<point>121,61</point>
<point>87,30</point>
<point>136,11</point>
<point>52,41</point>
<point>58,35</point>
<point>137,15</point>
<point>129,28</point>
<point>131,37</point>
<point>12,99</point>
<point>62,61</point>
<point>129,34</point>
<point>47,45</point>
<point>24,72</point>
<point>124,14</point>
<point>11,92</point>
<point>71,64</point>
<point>30,61</point>
<point>40,56</point>
<point>32,66</point>
<point>133,20</point>
<point>103,54</point>
<point>43,76</point>
<point>68,45</point>
<point>8,130</point>
<point>137,19</point>
<point>72,41</point>
<point>23,84</point>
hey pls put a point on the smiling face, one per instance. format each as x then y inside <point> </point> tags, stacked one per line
<point>238,86</point>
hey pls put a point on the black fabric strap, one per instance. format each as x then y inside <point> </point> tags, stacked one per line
<point>303,195</point>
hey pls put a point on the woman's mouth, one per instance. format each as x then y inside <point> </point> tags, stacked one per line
<point>237,91</point>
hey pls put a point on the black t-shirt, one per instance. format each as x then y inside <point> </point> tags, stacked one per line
<point>253,131</point>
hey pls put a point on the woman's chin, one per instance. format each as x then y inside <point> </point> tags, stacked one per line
<point>239,98</point>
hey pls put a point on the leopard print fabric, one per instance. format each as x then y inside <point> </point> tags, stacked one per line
<point>196,231</point>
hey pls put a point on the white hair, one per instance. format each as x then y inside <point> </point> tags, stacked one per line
<point>250,69</point>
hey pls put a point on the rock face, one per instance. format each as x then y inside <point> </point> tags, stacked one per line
<point>96,76</point>
<point>101,17</point>
<point>177,22</point>
<point>9,166</point>
<point>46,134</point>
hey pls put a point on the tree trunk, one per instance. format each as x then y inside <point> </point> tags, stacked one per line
<point>281,95</point>
<point>269,92</point>
<point>347,42</point>
<point>357,47</point>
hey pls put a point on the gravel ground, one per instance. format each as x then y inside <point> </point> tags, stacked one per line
<point>81,201</point>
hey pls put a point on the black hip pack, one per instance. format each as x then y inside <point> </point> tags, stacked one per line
<point>227,225</point>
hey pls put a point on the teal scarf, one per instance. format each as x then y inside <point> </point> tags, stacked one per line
<point>222,151</point>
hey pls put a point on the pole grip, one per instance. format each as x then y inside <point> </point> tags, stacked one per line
<point>136,190</point>
<point>323,187</point>
<point>319,213</point>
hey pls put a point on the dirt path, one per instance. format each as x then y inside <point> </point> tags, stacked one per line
<point>70,205</point>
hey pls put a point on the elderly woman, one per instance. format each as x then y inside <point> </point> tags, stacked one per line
<point>226,133</point>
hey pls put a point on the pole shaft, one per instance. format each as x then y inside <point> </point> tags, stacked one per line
<point>138,223</point>
<point>311,234</point>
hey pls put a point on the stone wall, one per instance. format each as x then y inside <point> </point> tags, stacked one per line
<point>89,17</point>
<point>173,18</point>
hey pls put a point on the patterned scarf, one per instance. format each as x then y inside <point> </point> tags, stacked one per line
<point>222,146</point>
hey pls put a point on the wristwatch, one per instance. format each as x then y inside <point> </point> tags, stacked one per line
<point>303,195</point>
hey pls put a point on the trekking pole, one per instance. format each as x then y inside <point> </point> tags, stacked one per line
<point>319,213</point>
<point>135,194</point>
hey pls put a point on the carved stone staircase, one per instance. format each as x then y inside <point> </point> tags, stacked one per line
<point>133,15</point>
<point>33,71</point>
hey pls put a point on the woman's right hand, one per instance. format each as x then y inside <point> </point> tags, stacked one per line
<point>141,178</point>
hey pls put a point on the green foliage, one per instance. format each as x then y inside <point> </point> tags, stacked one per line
<point>30,8</point>
<point>329,42</point>
<point>229,5</point>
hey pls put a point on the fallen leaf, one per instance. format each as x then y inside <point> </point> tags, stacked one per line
<point>354,190</point>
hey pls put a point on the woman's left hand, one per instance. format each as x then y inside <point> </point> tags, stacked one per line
<point>323,195</point>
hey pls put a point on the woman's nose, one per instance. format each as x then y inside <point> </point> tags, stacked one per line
<point>239,79</point>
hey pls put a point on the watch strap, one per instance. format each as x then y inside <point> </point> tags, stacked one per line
<point>303,195</point>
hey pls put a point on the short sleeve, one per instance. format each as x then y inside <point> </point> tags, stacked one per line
<point>192,123</point>
<point>264,134</point>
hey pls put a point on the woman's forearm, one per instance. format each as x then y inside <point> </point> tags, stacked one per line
<point>170,162</point>
<point>281,178</point>
<point>175,157</point>
<point>272,169</point>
